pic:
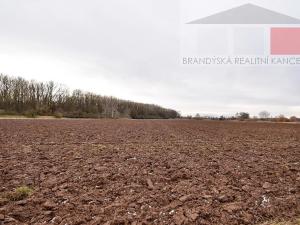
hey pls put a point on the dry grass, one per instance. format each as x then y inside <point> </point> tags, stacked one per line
<point>8,117</point>
<point>19,193</point>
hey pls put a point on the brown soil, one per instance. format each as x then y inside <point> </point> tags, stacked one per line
<point>149,172</point>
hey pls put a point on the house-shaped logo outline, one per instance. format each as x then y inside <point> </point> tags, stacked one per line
<point>247,14</point>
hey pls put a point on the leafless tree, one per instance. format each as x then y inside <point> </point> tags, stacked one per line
<point>19,96</point>
<point>264,114</point>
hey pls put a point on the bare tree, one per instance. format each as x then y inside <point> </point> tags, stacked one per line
<point>197,115</point>
<point>264,114</point>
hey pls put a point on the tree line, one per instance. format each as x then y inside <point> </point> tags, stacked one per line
<point>242,116</point>
<point>19,96</point>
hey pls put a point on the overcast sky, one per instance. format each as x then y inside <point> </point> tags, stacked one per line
<point>132,49</point>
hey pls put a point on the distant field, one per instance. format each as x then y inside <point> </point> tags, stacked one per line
<point>148,172</point>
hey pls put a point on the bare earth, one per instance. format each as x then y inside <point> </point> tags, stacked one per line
<point>149,172</point>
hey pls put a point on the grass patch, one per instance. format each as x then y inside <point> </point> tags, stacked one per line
<point>58,115</point>
<point>30,114</point>
<point>7,116</point>
<point>20,193</point>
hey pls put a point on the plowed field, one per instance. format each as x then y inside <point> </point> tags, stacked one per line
<point>148,172</point>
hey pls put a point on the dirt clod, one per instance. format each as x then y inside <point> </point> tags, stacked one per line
<point>232,207</point>
<point>267,185</point>
<point>150,183</point>
<point>49,205</point>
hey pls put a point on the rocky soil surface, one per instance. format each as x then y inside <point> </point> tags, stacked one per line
<point>149,172</point>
